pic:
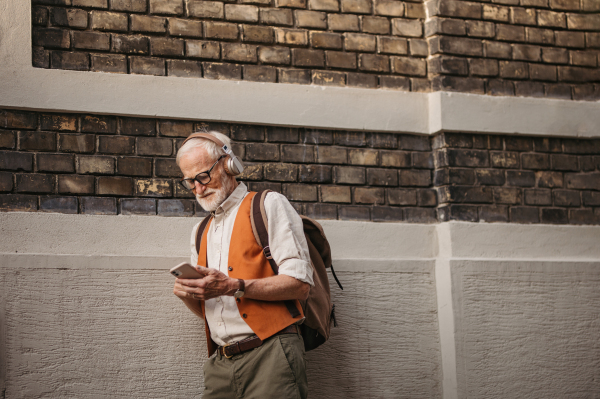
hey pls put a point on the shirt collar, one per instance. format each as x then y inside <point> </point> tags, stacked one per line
<point>233,200</point>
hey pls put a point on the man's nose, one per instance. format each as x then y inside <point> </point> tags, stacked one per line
<point>199,188</point>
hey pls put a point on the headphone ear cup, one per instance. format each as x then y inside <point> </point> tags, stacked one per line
<point>233,166</point>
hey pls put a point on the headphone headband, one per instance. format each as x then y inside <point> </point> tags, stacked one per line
<point>204,136</point>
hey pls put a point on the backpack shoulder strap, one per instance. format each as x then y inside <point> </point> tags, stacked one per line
<point>258,220</point>
<point>200,232</point>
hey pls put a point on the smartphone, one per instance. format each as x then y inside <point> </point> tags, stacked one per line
<point>185,270</point>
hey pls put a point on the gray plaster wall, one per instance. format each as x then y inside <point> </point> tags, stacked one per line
<point>455,310</point>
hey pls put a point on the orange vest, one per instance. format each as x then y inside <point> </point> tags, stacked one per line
<point>247,261</point>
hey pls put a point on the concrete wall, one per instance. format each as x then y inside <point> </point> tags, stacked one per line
<point>455,310</point>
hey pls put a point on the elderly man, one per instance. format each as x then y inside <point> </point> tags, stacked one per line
<point>259,352</point>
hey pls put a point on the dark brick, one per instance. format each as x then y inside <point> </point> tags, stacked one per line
<point>297,153</point>
<point>330,155</point>
<point>555,216</point>
<point>75,184</point>
<point>259,186</point>
<point>6,182</point>
<point>321,211</point>
<point>281,172</point>
<point>413,142</point>
<point>110,63</point>
<point>282,134</point>
<point>446,140</point>
<point>35,183</point>
<point>70,60</point>
<point>214,70</point>
<point>128,5</point>
<point>419,178</point>
<point>91,41</point>
<point>443,64</point>
<point>135,166</point>
<point>395,159</point>
<point>39,15</point>
<point>262,152</point>
<point>500,88</point>
<point>164,167</point>
<point>480,141</point>
<point>16,161</point>
<point>51,38</point>
<point>362,157</point>
<point>535,161</point>
<point>314,136</point>
<point>493,213</point>
<point>426,197</point>
<point>115,186</point>
<point>422,160</point>
<point>518,143</point>
<point>18,120</point>
<point>573,146</point>
<point>295,76</point>
<point>131,44</point>
<point>21,203</point>
<point>453,194</point>
<point>181,192</point>
<point>520,178</point>
<point>564,162</point>
<point>80,143</point>
<point>184,68</point>
<point>466,213</point>
<point>529,89</point>
<point>138,207</point>
<point>154,146</point>
<point>98,206</point>
<point>402,196</point>
<point>138,126</point>
<point>354,139</point>
<point>538,196</point>
<point>315,174</point>
<point>566,198</point>
<point>394,82</point>
<point>362,80</point>
<point>349,212</point>
<point>116,145</point>
<point>300,192</point>
<point>99,124</point>
<point>260,73</point>
<point>590,198</point>
<point>549,179</point>
<point>453,83</point>
<point>251,172</point>
<point>387,214</point>
<point>490,177</point>
<point>523,214</point>
<point>558,91</point>
<point>37,141</point>
<point>585,181</point>
<point>349,175</point>
<point>382,177</point>
<point>454,176</point>
<point>545,144</point>
<point>507,195</point>
<point>175,207</point>
<point>383,140</point>
<point>175,128</point>
<point>460,157</point>
<point>420,215</point>
<point>58,204</point>
<point>247,133</point>
<point>336,194</point>
<point>153,188</point>
<point>587,163</point>
<point>55,163</point>
<point>583,216</point>
<point>147,66</point>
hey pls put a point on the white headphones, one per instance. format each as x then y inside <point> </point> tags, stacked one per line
<point>233,166</point>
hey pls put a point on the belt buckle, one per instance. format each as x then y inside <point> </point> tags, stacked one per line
<point>224,353</point>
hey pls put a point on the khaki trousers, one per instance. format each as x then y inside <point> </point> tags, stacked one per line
<point>276,370</point>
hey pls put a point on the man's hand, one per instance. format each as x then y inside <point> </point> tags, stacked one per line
<point>211,285</point>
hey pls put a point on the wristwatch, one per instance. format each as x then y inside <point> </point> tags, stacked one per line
<point>240,292</point>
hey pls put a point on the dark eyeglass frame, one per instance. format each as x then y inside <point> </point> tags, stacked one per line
<point>197,177</point>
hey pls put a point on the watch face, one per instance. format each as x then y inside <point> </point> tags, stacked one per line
<point>238,294</point>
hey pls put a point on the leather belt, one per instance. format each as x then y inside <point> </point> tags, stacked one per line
<point>249,343</point>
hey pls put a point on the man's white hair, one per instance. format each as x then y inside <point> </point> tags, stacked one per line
<point>214,150</point>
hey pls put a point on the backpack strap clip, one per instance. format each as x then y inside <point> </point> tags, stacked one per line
<point>267,252</point>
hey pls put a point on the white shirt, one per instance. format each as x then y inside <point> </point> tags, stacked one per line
<point>288,248</point>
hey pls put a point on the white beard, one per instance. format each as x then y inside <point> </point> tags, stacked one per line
<point>212,199</point>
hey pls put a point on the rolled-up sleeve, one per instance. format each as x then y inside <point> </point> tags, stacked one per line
<point>286,239</point>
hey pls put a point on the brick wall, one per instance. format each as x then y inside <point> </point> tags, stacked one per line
<point>97,164</point>
<point>507,47</point>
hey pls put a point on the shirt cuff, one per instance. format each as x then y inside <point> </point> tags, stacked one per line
<point>299,269</point>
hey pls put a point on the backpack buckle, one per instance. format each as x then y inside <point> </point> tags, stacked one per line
<point>267,252</point>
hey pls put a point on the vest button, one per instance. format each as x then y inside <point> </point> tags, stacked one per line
<point>230,268</point>
<point>238,300</point>
<point>244,315</point>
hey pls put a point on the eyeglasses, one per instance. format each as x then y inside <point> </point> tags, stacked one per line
<point>202,177</point>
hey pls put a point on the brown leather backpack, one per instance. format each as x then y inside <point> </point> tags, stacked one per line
<point>319,311</point>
